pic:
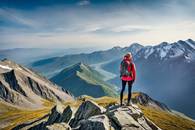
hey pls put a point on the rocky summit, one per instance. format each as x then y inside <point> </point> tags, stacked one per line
<point>91,116</point>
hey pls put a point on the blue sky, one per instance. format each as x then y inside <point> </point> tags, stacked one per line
<point>94,23</point>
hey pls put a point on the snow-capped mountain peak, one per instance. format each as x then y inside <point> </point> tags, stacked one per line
<point>167,50</point>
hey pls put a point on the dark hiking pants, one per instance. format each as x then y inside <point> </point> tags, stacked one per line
<point>123,89</point>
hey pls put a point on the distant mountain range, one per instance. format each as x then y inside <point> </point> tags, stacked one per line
<point>22,87</point>
<point>81,79</point>
<point>165,71</point>
<point>26,56</point>
<point>51,66</point>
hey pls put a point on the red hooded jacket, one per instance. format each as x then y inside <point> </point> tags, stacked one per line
<point>129,78</point>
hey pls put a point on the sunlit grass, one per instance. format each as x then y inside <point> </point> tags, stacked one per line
<point>167,121</point>
<point>15,116</point>
<point>106,101</point>
<point>102,101</point>
<point>21,117</point>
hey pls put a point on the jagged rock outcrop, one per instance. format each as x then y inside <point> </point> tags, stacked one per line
<point>86,110</point>
<point>59,115</point>
<point>91,116</point>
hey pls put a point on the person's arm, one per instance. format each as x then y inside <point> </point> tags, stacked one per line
<point>134,72</point>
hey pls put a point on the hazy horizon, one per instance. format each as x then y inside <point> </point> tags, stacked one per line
<point>94,23</point>
<point>92,48</point>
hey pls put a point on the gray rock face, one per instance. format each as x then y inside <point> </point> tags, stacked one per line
<point>58,126</point>
<point>99,122</point>
<point>130,118</point>
<point>86,110</point>
<point>59,115</point>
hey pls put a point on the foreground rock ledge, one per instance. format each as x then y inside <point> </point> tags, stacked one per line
<point>91,116</point>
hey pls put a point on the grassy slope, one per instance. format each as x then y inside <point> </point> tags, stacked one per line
<point>14,116</point>
<point>167,121</point>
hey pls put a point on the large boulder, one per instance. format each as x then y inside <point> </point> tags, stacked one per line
<point>130,118</point>
<point>99,122</point>
<point>86,110</point>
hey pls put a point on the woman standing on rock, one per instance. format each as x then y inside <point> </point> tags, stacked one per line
<point>127,74</point>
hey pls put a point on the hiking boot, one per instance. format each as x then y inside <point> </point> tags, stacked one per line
<point>129,104</point>
<point>121,104</point>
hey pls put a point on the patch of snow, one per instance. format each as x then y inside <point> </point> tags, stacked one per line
<point>163,53</point>
<point>164,50</point>
<point>5,67</point>
<point>148,52</point>
<point>190,44</point>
